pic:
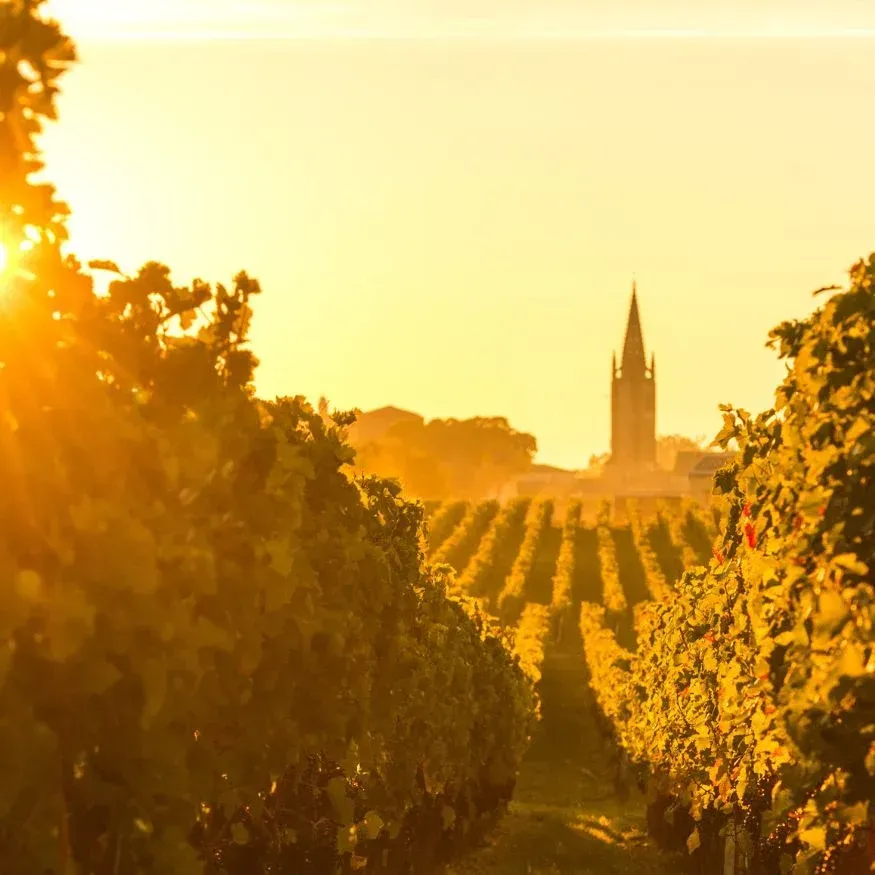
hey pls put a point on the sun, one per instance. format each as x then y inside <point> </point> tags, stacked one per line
<point>5,265</point>
<point>9,262</point>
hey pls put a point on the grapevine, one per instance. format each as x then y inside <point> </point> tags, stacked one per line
<point>614,598</point>
<point>563,579</point>
<point>512,596</point>
<point>530,638</point>
<point>675,524</point>
<point>458,547</point>
<point>657,585</point>
<point>750,694</point>
<point>444,522</point>
<point>202,615</point>
<point>479,572</point>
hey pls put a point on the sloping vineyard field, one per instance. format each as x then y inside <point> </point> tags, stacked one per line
<point>744,696</point>
<point>525,553</point>
<point>535,564</point>
<point>722,662</point>
<point>649,755</point>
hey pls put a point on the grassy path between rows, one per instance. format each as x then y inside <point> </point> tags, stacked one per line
<point>566,816</point>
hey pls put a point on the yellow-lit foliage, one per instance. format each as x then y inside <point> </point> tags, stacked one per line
<point>563,579</point>
<point>512,595</point>
<point>216,650</point>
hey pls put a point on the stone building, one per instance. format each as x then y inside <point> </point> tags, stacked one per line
<point>633,402</point>
<point>632,469</point>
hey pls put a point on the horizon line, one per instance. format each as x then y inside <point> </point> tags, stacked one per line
<point>128,36</point>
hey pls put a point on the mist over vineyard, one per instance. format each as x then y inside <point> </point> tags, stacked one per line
<point>242,636</point>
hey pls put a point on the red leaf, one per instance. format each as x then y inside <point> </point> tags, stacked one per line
<point>750,534</point>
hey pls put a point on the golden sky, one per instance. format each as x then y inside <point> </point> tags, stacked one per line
<point>452,225</point>
<point>495,18</point>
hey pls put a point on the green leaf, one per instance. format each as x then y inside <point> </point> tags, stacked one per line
<point>239,834</point>
<point>858,429</point>
<point>280,552</point>
<point>850,562</point>
<point>97,677</point>
<point>153,675</point>
<point>372,824</point>
<point>814,837</point>
<point>852,662</point>
<point>448,816</point>
<point>29,585</point>
<point>343,805</point>
<point>206,634</point>
<point>345,842</point>
<point>831,609</point>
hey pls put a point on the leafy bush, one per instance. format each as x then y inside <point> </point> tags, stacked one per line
<point>512,596</point>
<point>751,696</point>
<point>613,594</point>
<point>563,579</point>
<point>657,585</point>
<point>458,547</point>
<point>481,570</point>
<point>217,651</point>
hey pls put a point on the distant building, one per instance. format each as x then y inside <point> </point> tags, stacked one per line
<point>633,402</point>
<point>373,425</point>
<point>632,469</point>
<point>685,460</point>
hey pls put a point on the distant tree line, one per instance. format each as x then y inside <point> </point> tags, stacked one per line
<point>443,458</point>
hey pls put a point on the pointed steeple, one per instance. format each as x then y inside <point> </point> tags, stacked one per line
<point>633,361</point>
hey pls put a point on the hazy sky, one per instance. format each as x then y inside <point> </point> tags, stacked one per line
<point>457,17</point>
<point>452,226</point>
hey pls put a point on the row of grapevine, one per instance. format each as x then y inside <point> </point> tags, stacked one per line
<point>430,507</point>
<point>513,592</point>
<point>657,585</point>
<point>675,522</point>
<point>563,579</point>
<point>607,661</point>
<point>630,566</point>
<point>218,652</point>
<point>530,638</point>
<point>697,527</point>
<point>750,698</point>
<point>443,522</point>
<point>613,595</point>
<point>456,550</point>
<point>474,580</point>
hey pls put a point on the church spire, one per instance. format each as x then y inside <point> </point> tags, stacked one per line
<point>633,361</point>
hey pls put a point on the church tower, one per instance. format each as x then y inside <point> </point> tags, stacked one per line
<point>633,401</point>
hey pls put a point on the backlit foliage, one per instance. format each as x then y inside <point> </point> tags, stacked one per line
<point>751,696</point>
<point>218,653</point>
